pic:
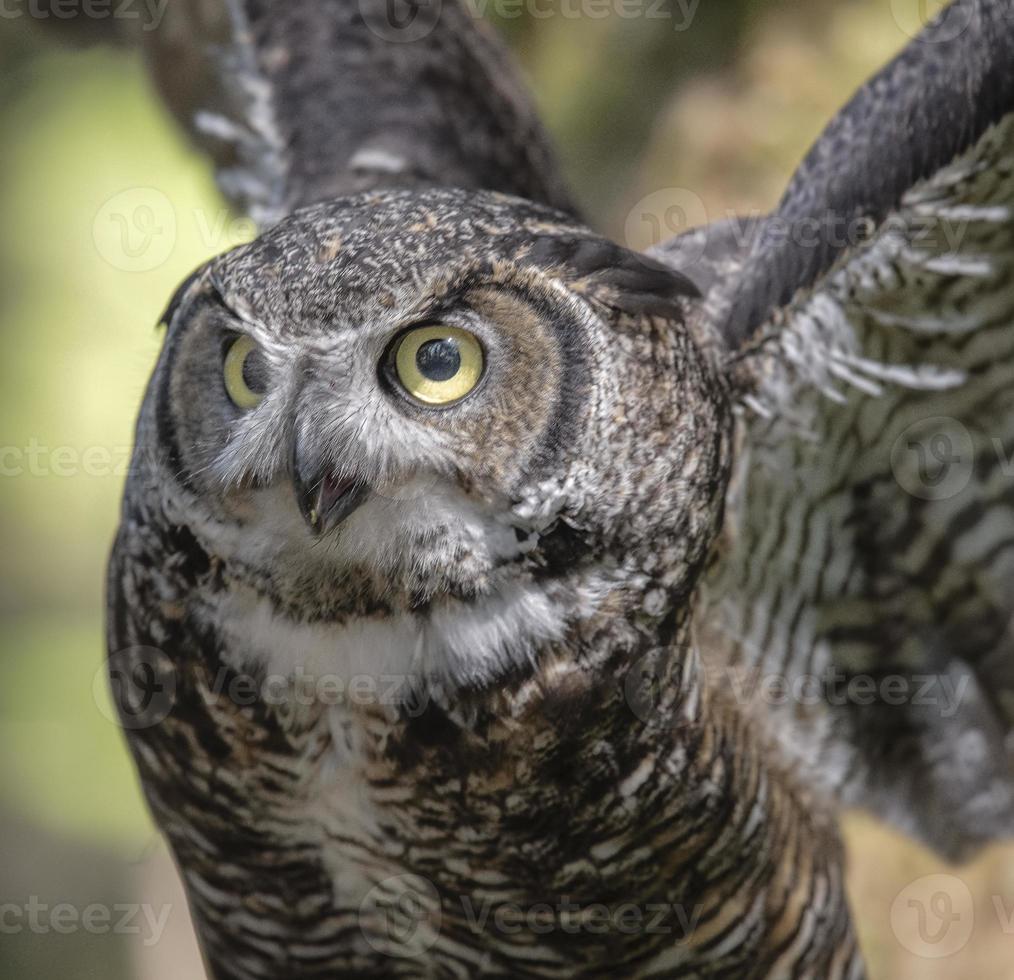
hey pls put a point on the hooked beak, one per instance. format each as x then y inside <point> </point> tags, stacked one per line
<point>326,499</point>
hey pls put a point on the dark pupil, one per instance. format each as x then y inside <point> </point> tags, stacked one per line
<point>255,372</point>
<point>438,360</point>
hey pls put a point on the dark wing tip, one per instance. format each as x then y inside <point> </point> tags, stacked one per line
<point>915,116</point>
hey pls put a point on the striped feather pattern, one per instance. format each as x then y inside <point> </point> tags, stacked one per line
<point>871,534</point>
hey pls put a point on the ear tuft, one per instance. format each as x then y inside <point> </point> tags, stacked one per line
<point>613,276</point>
<point>166,319</point>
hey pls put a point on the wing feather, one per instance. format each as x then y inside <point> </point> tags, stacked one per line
<point>306,100</point>
<point>868,563</point>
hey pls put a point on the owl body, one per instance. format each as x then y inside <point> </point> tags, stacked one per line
<point>360,724</point>
<point>484,589</point>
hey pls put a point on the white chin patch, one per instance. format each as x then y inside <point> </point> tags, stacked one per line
<point>430,529</point>
<point>426,531</point>
<point>455,644</point>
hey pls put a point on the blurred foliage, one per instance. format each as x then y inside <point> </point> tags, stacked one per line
<point>723,109</point>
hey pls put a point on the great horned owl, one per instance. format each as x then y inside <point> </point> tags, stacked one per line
<point>464,546</point>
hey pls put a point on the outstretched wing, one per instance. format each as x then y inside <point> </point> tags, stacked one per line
<point>864,600</point>
<point>303,100</point>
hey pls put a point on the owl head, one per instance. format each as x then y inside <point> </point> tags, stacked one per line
<point>428,402</point>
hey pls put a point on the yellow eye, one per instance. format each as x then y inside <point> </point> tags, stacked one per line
<point>245,373</point>
<point>438,365</point>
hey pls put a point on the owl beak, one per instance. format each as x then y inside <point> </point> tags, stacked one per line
<point>325,499</point>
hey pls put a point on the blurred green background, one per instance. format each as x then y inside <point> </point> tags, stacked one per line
<point>639,107</point>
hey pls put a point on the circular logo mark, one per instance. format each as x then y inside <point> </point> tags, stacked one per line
<point>642,685</point>
<point>933,917</point>
<point>143,684</point>
<point>400,21</point>
<point>400,916</point>
<point>913,16</point>
<point>662,215</point>
<point>135,230</point>
<point>933,458</point>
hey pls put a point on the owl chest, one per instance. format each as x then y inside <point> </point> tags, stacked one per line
<point>444,859</point>
<point>418,834</point>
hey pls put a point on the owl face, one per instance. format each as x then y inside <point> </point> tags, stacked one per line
<point>410,398</point>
